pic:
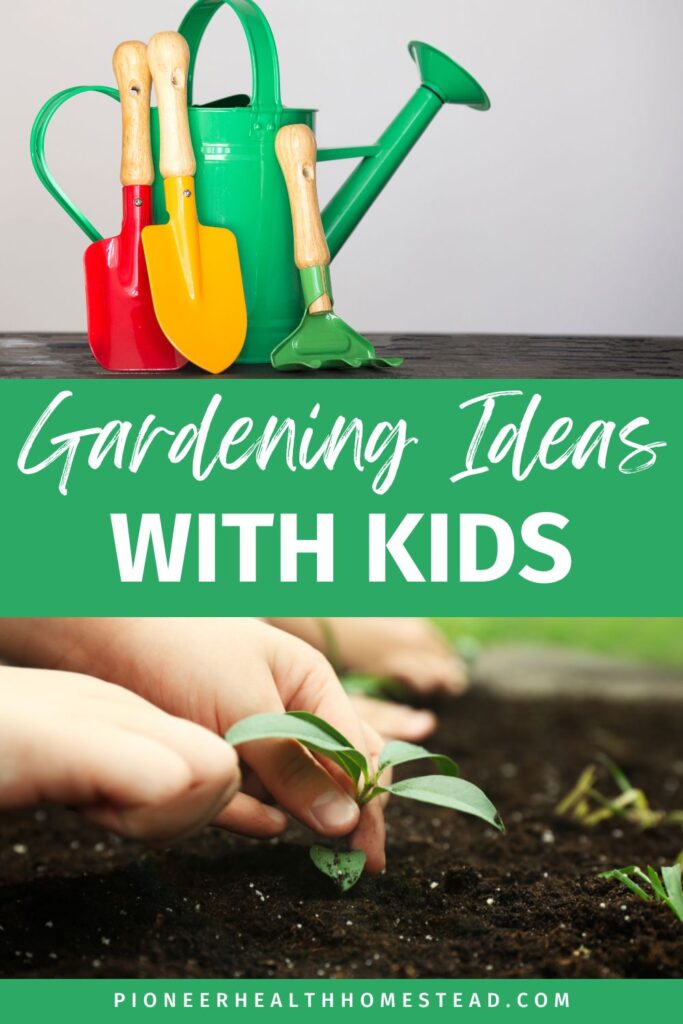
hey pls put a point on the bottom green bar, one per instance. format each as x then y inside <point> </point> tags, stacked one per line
<point>333,1001</point>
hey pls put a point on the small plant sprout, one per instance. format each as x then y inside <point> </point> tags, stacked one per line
<point>667,889</point>
<point>444,788</point>
<point>375,686</point>
<point>587,805</point>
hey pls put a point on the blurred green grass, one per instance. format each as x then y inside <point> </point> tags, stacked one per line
<point>656,641</point>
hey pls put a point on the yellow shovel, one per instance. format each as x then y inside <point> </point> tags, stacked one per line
<point>194,271</point>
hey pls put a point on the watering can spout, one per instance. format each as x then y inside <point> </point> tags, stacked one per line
<point>450,82</point>
<point>443,81</point>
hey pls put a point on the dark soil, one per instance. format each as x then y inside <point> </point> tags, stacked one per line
<point>457,899</point>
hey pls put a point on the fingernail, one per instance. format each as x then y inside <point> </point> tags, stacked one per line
<point>424,717</point>
<point>277,817</point>
<point>333,810</point>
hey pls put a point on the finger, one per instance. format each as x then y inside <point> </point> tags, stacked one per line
<point>395,721</point>
<point>250,817</point>
<point>307,682</point>
<point>208,756</point>
<point>252,786</point>
<point>295,780</point>
<point>212,762</point>
<point>113,766</point>
<point>160,824</point>
<point>370,837</point>
<point>370,833</point>
<point>302,786</point>
<point>153,813</point>
<point>454,674</point>
<point>321,692</point>
<point>429,673</point>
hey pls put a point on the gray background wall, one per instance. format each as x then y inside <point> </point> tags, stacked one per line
<point>561,210</point>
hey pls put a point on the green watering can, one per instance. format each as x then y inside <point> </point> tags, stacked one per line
<point>239,183</point>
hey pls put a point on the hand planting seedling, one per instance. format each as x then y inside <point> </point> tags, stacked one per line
<point>444,789</point>
<point>383,687</point>
<point>667,889</point>
<point>588,805</point>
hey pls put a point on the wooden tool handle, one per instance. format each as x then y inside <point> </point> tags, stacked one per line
<point>135,86</point>
<point>168,56</point>
<point>297,153</point>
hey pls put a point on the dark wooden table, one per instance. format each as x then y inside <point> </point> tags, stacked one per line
<point>428,355</point>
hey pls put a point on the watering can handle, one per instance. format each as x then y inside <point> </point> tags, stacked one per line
<point>264,60</point>
<point>40,126</point>
<point>266,88</point>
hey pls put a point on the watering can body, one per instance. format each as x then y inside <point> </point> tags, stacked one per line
<point>239,184</point>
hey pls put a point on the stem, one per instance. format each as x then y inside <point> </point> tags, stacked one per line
<point>368,793</point>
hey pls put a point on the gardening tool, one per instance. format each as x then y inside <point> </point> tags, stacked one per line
<point>238,180</point>
<point>194,270</point>
<point>122,328</point>
<point>322,341</point>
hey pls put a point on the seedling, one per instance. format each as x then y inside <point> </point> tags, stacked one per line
<point>375,686</point>
<point>445,788</point>
<point>667,889</point>
<point>589,806</point>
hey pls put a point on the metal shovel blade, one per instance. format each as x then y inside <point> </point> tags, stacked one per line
<point>123,331</point>
<point>323,341</point>
<point>196,282</point>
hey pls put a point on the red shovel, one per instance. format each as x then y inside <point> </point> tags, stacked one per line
<point>123,331</point>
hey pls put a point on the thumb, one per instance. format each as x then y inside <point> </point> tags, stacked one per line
<point>302,786</point>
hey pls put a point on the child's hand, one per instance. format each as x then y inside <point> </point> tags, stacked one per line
<point>216,672</point>
<point>411,651</point>
<point>122,762</point>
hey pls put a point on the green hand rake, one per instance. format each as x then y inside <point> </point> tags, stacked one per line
<point>322,341</point>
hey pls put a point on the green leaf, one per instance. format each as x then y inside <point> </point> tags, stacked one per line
<point>374,686</point>
<point>618,871</point>
<point>322,725</point>
<point>623,875</point>
<point>444,791</point>
<point>352,761</point>
<point>617,774</point>
<point>397,752</point>
<point>293,726</point>
<point>670,893</point>
<point>674,888</point>
<point>343,867</point>
<point>315,734</point>
<point>655,881</point>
